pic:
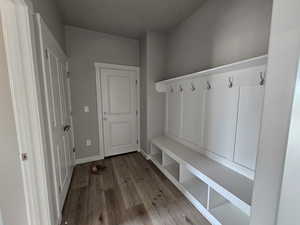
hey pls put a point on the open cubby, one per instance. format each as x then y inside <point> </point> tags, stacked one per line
<point>197,188</point>
<point>171,166</point>
<point>224,211</point>
<point>156,154</point>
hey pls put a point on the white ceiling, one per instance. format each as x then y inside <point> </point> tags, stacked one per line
<point>130,18</point>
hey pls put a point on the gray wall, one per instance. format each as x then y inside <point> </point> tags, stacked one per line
<point>143,92</point>
<point>218,33</point>
<point>153,68</point>
<point>156,67</point>
<point>85,48</point>
<point>12,199</point>
<point>51,15</point>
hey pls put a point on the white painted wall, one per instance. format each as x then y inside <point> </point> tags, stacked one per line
<point>143,92</point>
<point>12,198</point>
<point>288,211</point>
<point>284,52</point>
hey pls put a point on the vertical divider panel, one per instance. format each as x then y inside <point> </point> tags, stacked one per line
<point>174,114</point>
<point>196,187</point>
<point>220,121</point>
<point>248,125</point>
<point>192,111</point>
<point>171,166</point>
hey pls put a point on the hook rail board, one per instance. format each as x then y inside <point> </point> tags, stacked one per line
<point>161,86</point>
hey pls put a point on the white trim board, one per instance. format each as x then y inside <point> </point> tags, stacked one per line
<point>144,154</point>
<point>20,49</point>
<point>257,61</point>
<point>88,159</point>
<point>98,67</point>
<point>116,66</point>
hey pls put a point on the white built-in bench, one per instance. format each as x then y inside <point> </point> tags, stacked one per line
<point>222,195</point>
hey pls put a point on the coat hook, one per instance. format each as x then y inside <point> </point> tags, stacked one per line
<point>230,85</point>
<point>262,79</point>
<point>193,87</point>
<point>180,88</point>
<point>208,85</point>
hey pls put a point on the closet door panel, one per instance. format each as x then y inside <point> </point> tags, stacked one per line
<point>220,121</point>
<point>174,110</point>
<point>192,111</point>
<point>248,127</point>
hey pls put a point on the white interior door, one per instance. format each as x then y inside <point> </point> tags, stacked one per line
<point>119,99</point>
<point>58,115</point>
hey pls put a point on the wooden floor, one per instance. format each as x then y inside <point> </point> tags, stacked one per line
<point>128,190</point>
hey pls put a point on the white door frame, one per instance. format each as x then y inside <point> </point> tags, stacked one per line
<point>98,67</point>
<point>20,53</point>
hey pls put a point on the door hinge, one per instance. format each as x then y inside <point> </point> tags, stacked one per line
<point>74,150</point>
<point>136,82</point>
<point>137,112</point>
<point>24,156</point>
<point>59,188</point>
<point>46,53</point>
<point>137,141</point>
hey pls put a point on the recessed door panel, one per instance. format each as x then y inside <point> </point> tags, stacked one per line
<point>174,110</point>
<point>119,97</point>
<point>121,131</point>
<point>192,111</point>
<point>220,121</point>
<point>248,127</point>
<point>119,88</point>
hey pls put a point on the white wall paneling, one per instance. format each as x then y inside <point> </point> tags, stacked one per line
<point>217,112</point>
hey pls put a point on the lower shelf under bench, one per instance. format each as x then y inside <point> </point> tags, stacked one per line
<point>215,207</point>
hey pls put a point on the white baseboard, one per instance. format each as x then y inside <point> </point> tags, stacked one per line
<point>88,159</point>
<point>146,156</point>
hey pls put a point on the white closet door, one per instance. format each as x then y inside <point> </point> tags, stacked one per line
<point>54,76</point>
<point>248,127</point>
<point>119,95</point>
<point>192,111</point>
<point>174,110</point>
<point>220,121</point>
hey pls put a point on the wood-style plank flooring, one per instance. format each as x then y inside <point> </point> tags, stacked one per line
<point>128,190</point>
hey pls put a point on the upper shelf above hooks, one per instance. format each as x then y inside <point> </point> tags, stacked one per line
<point>161,86</point>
